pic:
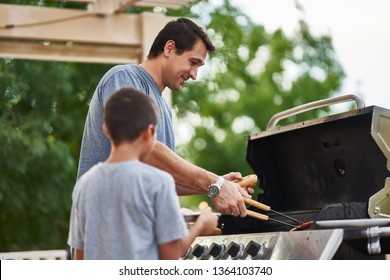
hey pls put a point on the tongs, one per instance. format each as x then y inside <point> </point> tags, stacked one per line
<point>249,182</point>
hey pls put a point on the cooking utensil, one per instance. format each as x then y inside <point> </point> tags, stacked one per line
<point>249,182</point>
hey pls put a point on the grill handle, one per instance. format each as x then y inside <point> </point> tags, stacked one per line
<point>314,105</point>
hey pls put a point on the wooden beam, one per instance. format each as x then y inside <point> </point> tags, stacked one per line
<point>178,4</point>
<point>75,35</point>
<point>116,6</point>
<point>107,7</point>
<point>155,4</point>
<point>70,52</point>
<point>42,23</point>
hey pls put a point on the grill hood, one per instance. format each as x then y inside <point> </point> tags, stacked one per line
<point>340,158</point>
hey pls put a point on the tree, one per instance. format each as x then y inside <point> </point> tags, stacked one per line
<point>43,108</point>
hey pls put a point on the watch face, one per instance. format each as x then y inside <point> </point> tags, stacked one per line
<point>213,191</point>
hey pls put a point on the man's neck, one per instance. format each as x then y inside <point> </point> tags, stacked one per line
<point>154,70</point>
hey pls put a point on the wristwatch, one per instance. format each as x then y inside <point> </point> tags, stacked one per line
<point>214,189</point>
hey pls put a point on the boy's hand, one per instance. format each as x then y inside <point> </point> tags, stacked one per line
<point>208,221</point>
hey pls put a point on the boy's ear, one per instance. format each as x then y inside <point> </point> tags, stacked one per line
<point>105,130</point>
<point>149,132</point>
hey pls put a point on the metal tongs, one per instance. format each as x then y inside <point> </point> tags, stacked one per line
<point>249,182</point>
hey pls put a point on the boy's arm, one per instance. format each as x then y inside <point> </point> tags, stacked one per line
<point>77,254</point>
<point>205,224</point>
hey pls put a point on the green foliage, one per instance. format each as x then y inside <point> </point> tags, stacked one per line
<point>43,107</point>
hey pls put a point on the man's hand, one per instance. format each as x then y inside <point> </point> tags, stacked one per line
<point>233,176</point>
<point>230,199</point>
<point>237,177</point>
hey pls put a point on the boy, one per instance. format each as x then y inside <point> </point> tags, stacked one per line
<point>126,209</point>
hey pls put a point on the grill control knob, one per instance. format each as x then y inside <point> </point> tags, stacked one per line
<point>235,250</point>
<point>199,251</point>
<point>216,250</point>
<point>255,250</point>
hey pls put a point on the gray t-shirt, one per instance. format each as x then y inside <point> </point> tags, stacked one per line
<point>123,211</point>
<point>95,146</point>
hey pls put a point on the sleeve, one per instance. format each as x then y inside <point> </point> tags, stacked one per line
<point>170,223</point>
<point>116,79</point>
<point>75,237</point>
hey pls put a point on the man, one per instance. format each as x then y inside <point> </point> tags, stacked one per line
<point>178,51</point>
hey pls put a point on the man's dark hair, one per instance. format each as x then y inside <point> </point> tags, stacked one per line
<point>184,32</point>
<point>127,113</point>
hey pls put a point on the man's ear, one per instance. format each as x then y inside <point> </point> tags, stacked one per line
<point>169,48</point>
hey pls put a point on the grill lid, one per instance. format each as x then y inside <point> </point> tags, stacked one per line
<point>335,159</point>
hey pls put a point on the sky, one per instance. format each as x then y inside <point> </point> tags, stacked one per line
<point>360,30</point>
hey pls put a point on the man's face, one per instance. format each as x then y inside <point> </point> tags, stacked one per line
<point>182,67</point>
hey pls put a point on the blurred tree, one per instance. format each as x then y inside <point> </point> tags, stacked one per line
<point>43,106</point>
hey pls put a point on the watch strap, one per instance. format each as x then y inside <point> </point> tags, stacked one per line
<point>219,182</point>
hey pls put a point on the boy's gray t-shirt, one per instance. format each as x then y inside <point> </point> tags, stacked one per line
<point>95,146</point>
<point>123,211</point>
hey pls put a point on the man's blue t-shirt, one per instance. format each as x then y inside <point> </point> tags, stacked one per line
<point>95,146</point>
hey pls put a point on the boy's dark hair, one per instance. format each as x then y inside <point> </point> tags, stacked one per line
<point>184,32</point>
<point>127,113</point>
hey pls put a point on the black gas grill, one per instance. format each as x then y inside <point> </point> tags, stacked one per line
<point>332,171</point>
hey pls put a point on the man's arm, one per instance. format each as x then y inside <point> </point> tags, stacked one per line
<point>191,177</point>
<point>183,191</point>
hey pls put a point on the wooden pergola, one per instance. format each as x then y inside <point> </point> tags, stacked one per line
<point>100,34</point>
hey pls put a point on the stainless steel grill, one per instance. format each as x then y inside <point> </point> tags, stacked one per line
<point>319,244</point>
<point>334,171</point>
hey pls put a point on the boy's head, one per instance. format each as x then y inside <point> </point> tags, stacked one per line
<point>128,114</point>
